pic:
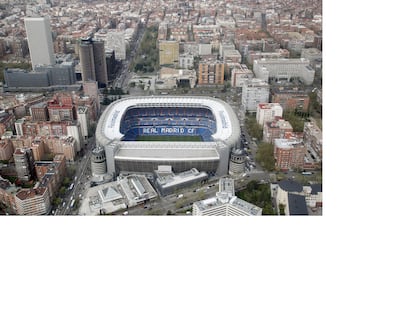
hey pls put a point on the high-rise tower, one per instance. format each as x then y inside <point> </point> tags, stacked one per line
<point>39,37</point>
<point>93,62</point>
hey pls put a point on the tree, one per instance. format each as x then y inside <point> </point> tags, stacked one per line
<point>66,181</point>
<point>265,156</point>
<point>296,121</point>
<point>57,201</point>
<point>254,129</point>
<point>259,195</point>
<point>267,209</point>
<point>62,191</point>
<point>282,209</point>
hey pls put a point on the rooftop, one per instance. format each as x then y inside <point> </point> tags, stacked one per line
<point>290,186</point>
<point>25,194</point>
<point>297,205</point>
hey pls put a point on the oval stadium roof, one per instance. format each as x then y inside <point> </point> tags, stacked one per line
<point>227,124</point>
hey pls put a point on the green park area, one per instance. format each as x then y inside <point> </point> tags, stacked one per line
<point>259,195</point>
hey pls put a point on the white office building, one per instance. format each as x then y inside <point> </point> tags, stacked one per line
<point>225,203</point>
<point>254,92</point>
<point>267,112</point>
<point>74,130</point>
<point>115,40</point>
<point>39,38</point>
<point>284,69</point>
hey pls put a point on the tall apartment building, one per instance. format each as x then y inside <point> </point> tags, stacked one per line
<point>267,112</point>
<point>210,72</point>
<point>6,149</point>
<point>312,137</point>
<point>91,103</point>
<point>111,64</point>
<point>21,141</point>
<point>39,37</point>
<point>32,201</point>
<point>90,88</point>
<point>225,203</point>
<point>93,61</point>
<point>240,75</point>
<point>39,112</point>
<point>38,149</point>
<point>61,145</point>
<point>284,69</point>
<point>42,128</point>
<point>60,111</point>
<point>83,118</point>
<point>24,162</point>
<point>277,128</point>
<point>74,130</point>
<point>289,153</point>
<point>7,192</point>
<point>51,173</point>
<point>254,92</point>
<point>168,52</point>
<point>7,121</point>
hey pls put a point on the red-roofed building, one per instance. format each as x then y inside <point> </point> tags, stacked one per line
<point>32,201</point>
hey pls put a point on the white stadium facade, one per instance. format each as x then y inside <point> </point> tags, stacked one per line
<point>210,124</point>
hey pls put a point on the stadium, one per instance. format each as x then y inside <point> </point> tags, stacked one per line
<point>141,133</point>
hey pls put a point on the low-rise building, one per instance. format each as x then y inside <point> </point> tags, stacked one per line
<point>225,203</point>
<point>291,99</point>
<point>167,182</point>
<point>291,198</point>
<point>284,70</point>
<point>253,55</point>
<point>170,78</point>
<point>125,192</point>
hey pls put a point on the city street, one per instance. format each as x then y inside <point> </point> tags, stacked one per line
<point>80,180</point>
